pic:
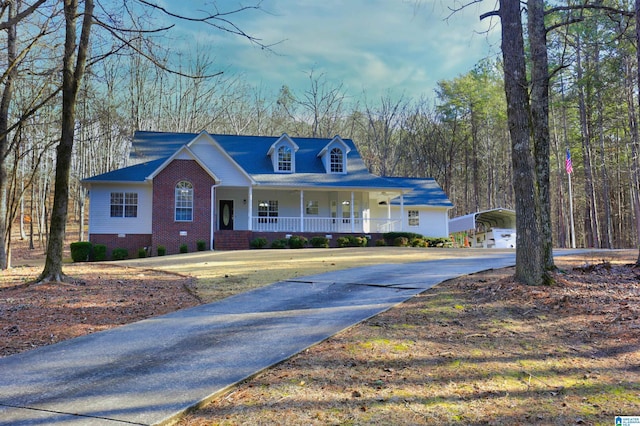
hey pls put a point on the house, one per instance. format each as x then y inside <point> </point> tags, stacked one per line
<point>225,190</point>
<point>495,228</point>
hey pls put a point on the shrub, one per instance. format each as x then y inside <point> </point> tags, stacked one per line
<point>381,242</point>
<point>80,251</point>
<point>99,252</point>
<point>400,241</point>
<point>258,243</point>
<point>439,242</point>
<point>297,242</point>
<point>280,244</point>
<point>162,250</point>
<point>184,248</point>
<point>201,245</point>
<point>352,241</point>
<point>319,242</point>
<point>390,237</point>
<point>418,242</point>
<point>142,253</point>
<point>119,254</point>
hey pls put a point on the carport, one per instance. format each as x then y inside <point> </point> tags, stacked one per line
<point>494,228</point>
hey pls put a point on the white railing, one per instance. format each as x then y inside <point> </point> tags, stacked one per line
<point>323,224</point>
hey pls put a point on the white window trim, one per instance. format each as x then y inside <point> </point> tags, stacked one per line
<point>180,186</point>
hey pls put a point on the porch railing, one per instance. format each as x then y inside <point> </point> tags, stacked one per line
<point>323,224</point>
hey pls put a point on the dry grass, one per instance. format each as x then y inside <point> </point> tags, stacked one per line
<point>472,351</point>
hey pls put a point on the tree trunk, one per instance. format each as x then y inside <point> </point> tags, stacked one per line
<point>540,123</point>
<point>72,74</point>
<point>529,262</point>
<point>636,142</point>
<point>7,95</point>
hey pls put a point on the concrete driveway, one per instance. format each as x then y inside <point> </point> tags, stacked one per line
<point>152,371</point>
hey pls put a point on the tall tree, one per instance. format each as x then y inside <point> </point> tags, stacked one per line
<point>73,68</point>
<point>529,262</point>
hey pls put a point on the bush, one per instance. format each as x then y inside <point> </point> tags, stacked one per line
<point>297,242</point>
<point>319,242</point>
<point>439,242</point>
<point>142,253</point>
<point>352,241</point>
<point>280,244</point>
<point>184,248</point>
<point>80,251</point>
<point>119,254</point>
<point>381,242</point>
<point>162,250</point>
<point>401,241</point>
<point>390,237</point>
<point>99,252</point>
<point>418,242</point>
<point>201,245</point>
<point>258,243</point>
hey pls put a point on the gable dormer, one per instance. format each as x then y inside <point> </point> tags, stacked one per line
<point>334,156</point>
<point>283,154</point>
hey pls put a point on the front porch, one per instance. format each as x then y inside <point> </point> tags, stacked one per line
<point>324,225</point>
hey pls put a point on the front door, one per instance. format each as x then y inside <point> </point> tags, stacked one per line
<point>226,215</point>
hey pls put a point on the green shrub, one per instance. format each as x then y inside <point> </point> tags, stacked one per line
<point>80,251</point>
<point>119,254</point>
<point>184,248</point>
<point>381,242</point>
<point>390,237</point>
<point>142,253</point>
<point>352,241</point>
<point>418,242</point>
<point>400,241</point>
<point>280,244</point>
<point>319,242</point>
<point>99,252</point>
<point>439,242</point>
<point>201,245</point>
<point>258,243</point>
<point>162,250</point>
<point>297,242</point>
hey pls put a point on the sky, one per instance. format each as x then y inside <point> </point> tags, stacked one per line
<point>371,47</point>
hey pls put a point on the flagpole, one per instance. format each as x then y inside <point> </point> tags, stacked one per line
<point>568,165</point>
<point>573,229</point>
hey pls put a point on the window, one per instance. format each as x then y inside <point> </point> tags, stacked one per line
<point>267,211</point>
<point>284,159</point>
<point>184,202</point>
<point>124,204</point>
<point>313,208</point>
<point>336,160</point>
<point>414,217</point>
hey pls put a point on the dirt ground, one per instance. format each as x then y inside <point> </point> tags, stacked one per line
<point>480,349</point>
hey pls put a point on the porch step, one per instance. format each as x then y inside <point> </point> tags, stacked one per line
<point>232,240</point>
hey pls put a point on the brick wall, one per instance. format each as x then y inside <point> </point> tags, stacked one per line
<point>131,242</point>
<point>166,231</point>
<point>241,240</point>
<point>232,240</point>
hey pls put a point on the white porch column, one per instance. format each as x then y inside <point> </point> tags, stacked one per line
<point>301,210</point>
<point>353,225</point>
<point>402,211</point>
<point>250,209</point>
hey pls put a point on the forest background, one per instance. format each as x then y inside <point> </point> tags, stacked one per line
<point>460,137</point>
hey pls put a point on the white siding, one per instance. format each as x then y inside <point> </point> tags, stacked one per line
<point>434,222</point>
<point>218,162</point>
<point>100,220</point>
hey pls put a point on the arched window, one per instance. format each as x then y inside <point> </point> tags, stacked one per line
<point>336,161</point>
<point>284,159</point>
<point>184,201</point>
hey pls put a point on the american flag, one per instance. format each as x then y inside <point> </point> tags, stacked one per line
<point>568,165</point>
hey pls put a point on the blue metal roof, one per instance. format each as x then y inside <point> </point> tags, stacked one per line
<point>250,152</point>
<point>426,192</point>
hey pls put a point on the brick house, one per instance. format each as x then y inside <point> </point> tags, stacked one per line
<point>225,190</point>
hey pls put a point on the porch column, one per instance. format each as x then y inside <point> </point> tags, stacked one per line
<point>402,211</point>
<point>250,209</point>
<point>353,225</point>
<point>301,210</point>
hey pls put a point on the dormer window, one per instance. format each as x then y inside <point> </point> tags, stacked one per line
<point>336,161</point>
<point>284,159</point>
<point>334,156</point>
<point>283,155</point>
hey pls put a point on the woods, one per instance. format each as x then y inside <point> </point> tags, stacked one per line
<point>578,70</point>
